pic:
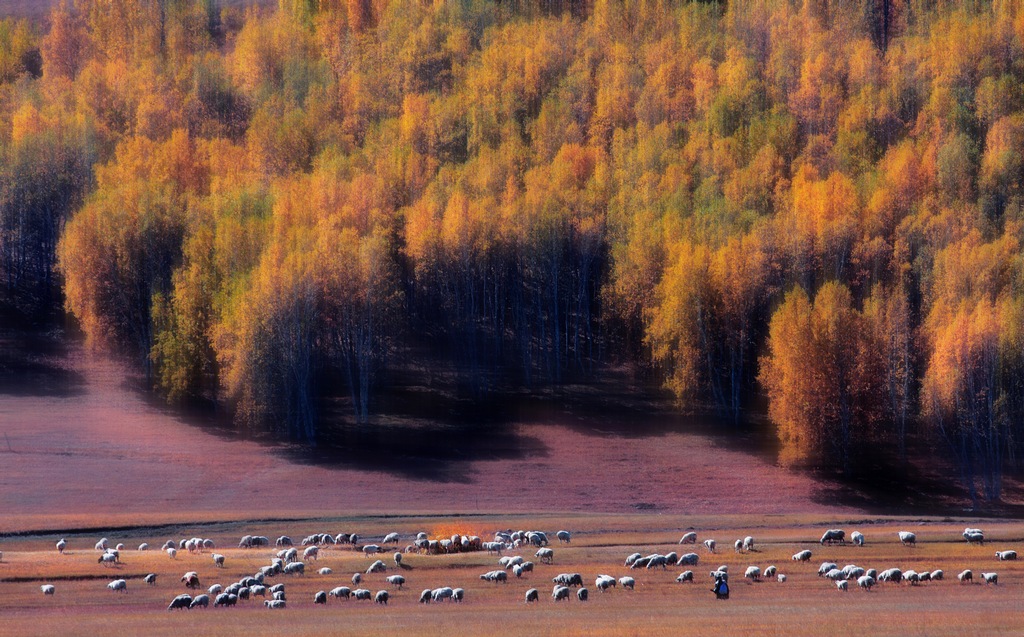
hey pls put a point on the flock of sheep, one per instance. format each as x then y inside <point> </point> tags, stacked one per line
<point>286,560</point>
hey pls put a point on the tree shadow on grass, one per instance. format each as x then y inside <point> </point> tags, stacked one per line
<point>30,366</point>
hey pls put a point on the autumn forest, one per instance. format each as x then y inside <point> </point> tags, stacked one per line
<point>811,207</point>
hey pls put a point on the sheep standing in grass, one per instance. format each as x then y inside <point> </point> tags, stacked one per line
<point>172,553</point>
<point>842,585</point>
<point>582,594</point>
<point>965,576</point>
<point>118,585</point>
<point>753,573</point>
<point>564,536</point>
<point>990,578</point>
<point>275,604</point>
<point>688,559</point>
<point>311,553</point>
<point>295,568</point>
<point>532,595</point>
<point>1003,556</point>
<point>61,545</point>
<point>458,594</point>
<point>826,567</point>
<point>546,555</point>
<point>710,545</point>
<point>748,543</point>
<point>48,589</point>
<point>865,582</point>
<point>689,538</point>
<point>150,579</point>
<point>398,559</point>
<point>938,575</point>
<point>102,544</point>
<point>802,556</point>
<point>395,580</point>
<point>345,591</point>
<point>218,559</point>
<point>782,578</point>
<point>200,601</point>
<point>907,538</point>
<point>833,536</point>
<point>320,598</point>
<point>627,582</point>
<point>737,546</point>
<point>685,576</point>
<point>858,538</point>
<point>770,571</point>
<point>143,547</point>
<point>371,549</point>
<point>107,559</point>
<point>181,601</point>
<point>559,593</point>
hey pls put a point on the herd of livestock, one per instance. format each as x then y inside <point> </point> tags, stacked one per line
<point>286,559</point>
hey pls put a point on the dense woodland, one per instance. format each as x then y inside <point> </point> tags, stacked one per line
<point>818,202</point>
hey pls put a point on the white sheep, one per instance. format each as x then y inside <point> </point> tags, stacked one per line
<point>938,575</point>
<point>398,559</point>
<point>770,571</point>
<point>738,545</point>
<point>685,576</point>
<point>842,585</point>
<point>906,537</point>
<point>48,589</point>
<point>753,573</point>
<point>858,538</point>
<point>107,559</point>
<point>143,547</point>
<point>377,567</point>
<point>546,555</point>
<point>990,578</point>
<point>340,591</point>
<point>215,590</point>
<point>782,578</point>
<point>200,600</point>
<point>150,579</point>
<point>688,559</point>
<point>974,535</point>
<point>604,582</point>
<point>119,547</point>
<point>458,594</point>
<point>1006,555</point>
<point>320,597</point>
<point>275,604</point>
<point>172,553</point>
<point>826,567</point>
<point>102,544</point>
<point>631,558</point>
<point>218,559</point>
<point>118,585</point>
<point>689,538</point>
<point>532,595</point>
<point>61,545</point>
<point>802,556</point>
<point>627,582</point>
<point>559,593</point>
<point>295,568</point>
<point>311,553</point>
<point>966,576</point>
<point>710,545</point>
<point>748,543</point>
<point>371,549</point>
<point>564,536</point>
<point>390,538</point>
<point>395,580</point>
<point>356,578</point>
<point>865,582</point>
<point>832,536</point>
<point>181,601</point>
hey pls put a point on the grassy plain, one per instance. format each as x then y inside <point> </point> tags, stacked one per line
<point>804,605</point>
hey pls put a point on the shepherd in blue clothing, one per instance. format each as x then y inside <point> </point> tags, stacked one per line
<point>721,588</point>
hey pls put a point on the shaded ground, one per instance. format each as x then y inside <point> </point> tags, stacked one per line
<point>78,440</point>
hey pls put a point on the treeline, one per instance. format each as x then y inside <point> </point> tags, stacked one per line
<point>817,200</point>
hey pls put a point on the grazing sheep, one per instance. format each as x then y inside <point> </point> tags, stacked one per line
<point>546,555</point>
<point>656,561</point>
<point>582,594</point>
<point>990,578</point>
<point>495,576</point>
<point>61,545</point>
<point>906,537</point>
<point>912,576</point>
<point>398,559</point>
<point>341,591</point>
<point>802,556</point>
<point>770,571</point>
<point>181,601</point>
<point>311,553</point>
<point>685,576</point>
<point>937,575</point>
<point>258,590</point>
<point>295,568</point>
<point>509,562</point>
<point>559,593</point>
<point>568,579</point>
<point>102,544</point>
<point>853,572</point>
<point>441,594</point>
<point>118,585</point>
<point>200,600</point>
<point>564,536</point>
<point>604,582</point>
<point>458,594</point>
<point>356,578</point>
<point>150,579</point>
<point>275,604</point>
<point>974,535</point>
<point>842,585</point>
<point>119,547</point>
<point>377,567</point>
<point>689,538</point>
<point>48,589</point>
<point>218,559</point>
<point>517,570</point>
<point>632,557</point>
<point>865,582</point>
<point>395,580</point>
<point>835,575</point>
<point>1006,555</point>
<point>143,547</point>
<point>532,595</point>
<point>872,573</point>
<point>753,573</point>
<point>284,540</point>
<point>893,575</point>
<point>782,578</point>
<point>371,549</point>
<point>279,595</point>
<point>688,559</point>
<point>833,536</point>
<point>627,582</point>
<point>390,538</point>
<point>826,567</point>
<point>172,553</point>
<point>738,545</point>
<point>748,543</point>
<point>966,576</point>
<point>710,545</point>
<point>191,579</point>
<point>107,559</point>
<point>215,590</point>
<point>320,598</point>
<point>426,595</point>
<point>381,598</point>
<point>858,538</point>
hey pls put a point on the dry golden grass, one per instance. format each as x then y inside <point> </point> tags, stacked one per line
<point>804,605</point>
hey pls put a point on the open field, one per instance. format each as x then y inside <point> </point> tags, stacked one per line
<point>804,605</point>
